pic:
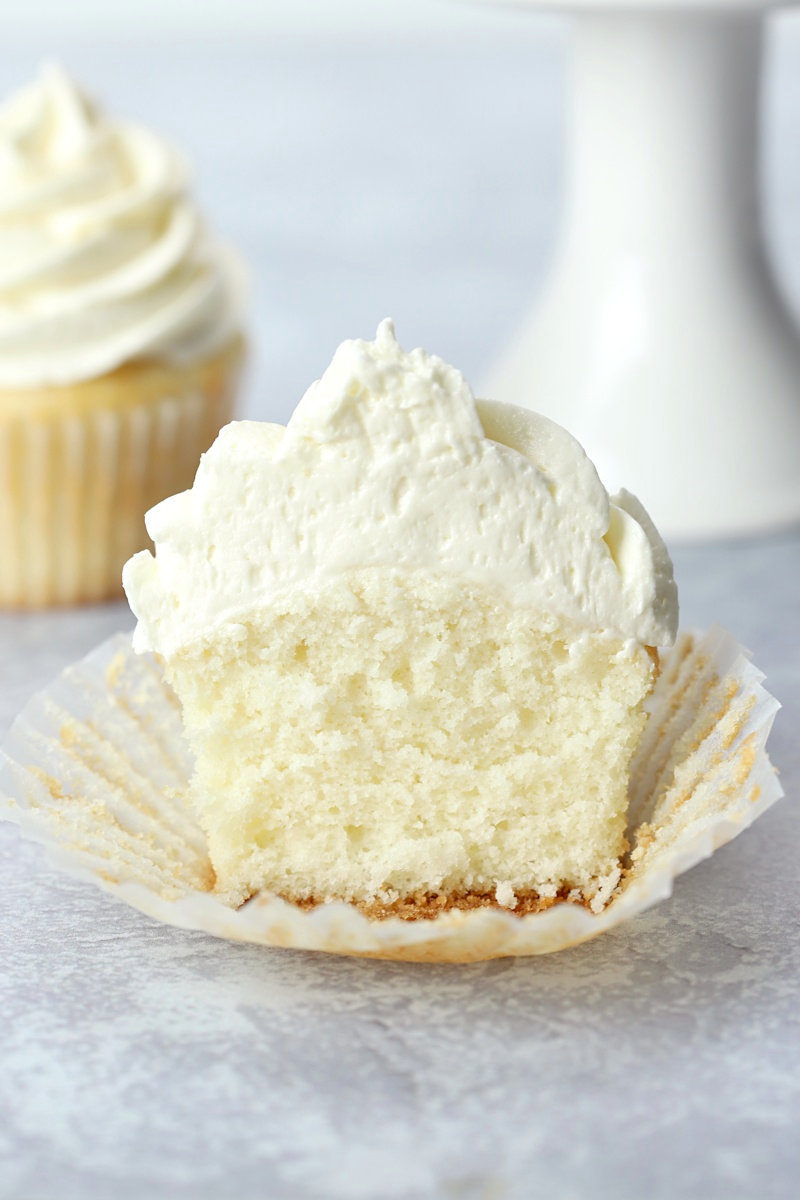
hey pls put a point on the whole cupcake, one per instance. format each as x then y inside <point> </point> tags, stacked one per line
<point>120,341</point>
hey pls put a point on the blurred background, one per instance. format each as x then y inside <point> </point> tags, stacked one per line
<point>368,159</point>
<point>404,158</point>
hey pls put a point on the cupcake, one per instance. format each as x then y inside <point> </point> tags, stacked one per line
<point>413,641</point>
<point>120,341</point>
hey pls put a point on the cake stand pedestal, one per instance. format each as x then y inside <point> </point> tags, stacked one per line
<point>661,340</point>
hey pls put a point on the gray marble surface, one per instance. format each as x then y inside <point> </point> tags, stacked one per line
<point>662,1061</point>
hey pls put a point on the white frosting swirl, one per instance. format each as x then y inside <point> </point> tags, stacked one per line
<point>389,462</point>
<point>103,257</point>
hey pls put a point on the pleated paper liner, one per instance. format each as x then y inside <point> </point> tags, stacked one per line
<point>96,768</point>
<point>81,464</point>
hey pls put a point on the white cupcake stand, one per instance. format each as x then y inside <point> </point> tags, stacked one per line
<point>661,340</point>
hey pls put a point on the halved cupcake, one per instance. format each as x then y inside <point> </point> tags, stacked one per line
<point>413,640</point>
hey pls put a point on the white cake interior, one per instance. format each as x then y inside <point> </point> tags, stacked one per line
<point>393,734</point>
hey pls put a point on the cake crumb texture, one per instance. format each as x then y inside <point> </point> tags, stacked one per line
<point>396,735</point>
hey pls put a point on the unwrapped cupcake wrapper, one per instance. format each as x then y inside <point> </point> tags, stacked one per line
<point>97,768</point>
<point>74,488</point>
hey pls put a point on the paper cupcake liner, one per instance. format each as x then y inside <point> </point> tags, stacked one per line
<point>75,484</point>
<point>96,768</point>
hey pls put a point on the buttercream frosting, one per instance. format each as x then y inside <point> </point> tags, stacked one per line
<point>103,256</point>
<point>388,461</point>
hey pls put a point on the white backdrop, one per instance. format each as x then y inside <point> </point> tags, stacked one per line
<point>253,16</point>
<point>368,157</point>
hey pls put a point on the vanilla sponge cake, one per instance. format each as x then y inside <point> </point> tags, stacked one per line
<point>412,639</point>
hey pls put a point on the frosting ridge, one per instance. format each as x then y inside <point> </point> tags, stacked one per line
<point>388,461</point>
<point>103,256</point>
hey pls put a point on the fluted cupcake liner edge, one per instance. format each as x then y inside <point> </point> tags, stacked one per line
<point>96,769</point>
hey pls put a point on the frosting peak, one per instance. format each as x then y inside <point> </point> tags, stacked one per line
<point>388,461</point>
<point>103,257</point>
